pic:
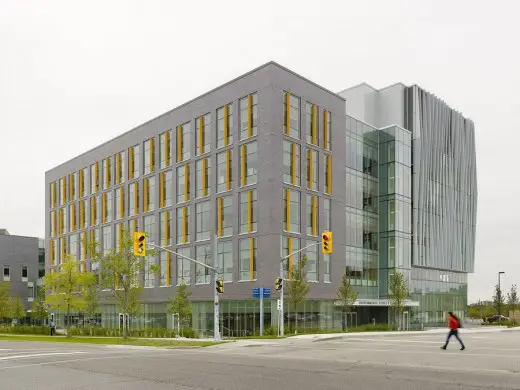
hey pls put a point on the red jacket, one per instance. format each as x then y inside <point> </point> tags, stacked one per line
<point>454,324</point>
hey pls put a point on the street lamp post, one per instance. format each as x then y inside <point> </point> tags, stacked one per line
<point>500,291</point>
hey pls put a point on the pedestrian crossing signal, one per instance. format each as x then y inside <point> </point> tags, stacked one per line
<point>278,283</point>
<point>326,243</point>
<point>139,244</point>
<point>220,286</point>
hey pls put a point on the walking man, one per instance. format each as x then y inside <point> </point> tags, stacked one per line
<point>454,325</point>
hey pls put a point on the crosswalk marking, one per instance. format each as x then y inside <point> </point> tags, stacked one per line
<point>40,355</point>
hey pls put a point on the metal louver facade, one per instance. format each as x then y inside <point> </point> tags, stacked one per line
<point>444,178</point>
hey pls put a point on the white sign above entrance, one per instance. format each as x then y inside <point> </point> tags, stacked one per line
<point>379,302</point>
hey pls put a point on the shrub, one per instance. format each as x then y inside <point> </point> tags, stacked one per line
<point>134,333</point>
<point>24,329</point>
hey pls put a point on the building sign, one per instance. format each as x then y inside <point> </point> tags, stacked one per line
<point>379,302</point>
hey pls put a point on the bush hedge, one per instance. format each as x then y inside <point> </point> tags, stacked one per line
<point>24,329</point>
<point>141,333</point>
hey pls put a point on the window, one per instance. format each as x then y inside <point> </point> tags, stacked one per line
<point>149,156</point>
<point>83,213</point>
<point>311,117</point>
<point>53,195</point>
<point>248,253</point>
<point>248,205</point>
<point>291,163</point>
<point>165,189</point>
<point>183,183</point>
<point>133,162</point>
<point>202,222</point>
<point>83,246</point>
<point>53,223</point>
<point>149,194</point>
<point>312,262</point>
<point>391,178</point>
<point>120,167</point>
<point>224,126</point>
<point>291,210</point>
<point>73,246</point>
<point>52,252</point>
<point>326,209</point>
<point>107,239</point>
<point>149,228</point>
<point>63,249</point>
<point>63,191</point>
<point>248,116</point>
<point>106,207</point>
<point>203,169</point>
<point>312,169</point>
<point>183,266</point>
<point>248,163</point>
<point>290,245</point>
<point>64,220</point>
<point>326,129</point>
<point>120,203</point>
<point>202,134</point>
<point>7,274</point>
<point>183,231</point>
<point>94,210</point>
<point>72,186</point>
<point>326,268</point>
<point>166,269</point>
<point>133,226</point>
<point>391,252</point>
<point>391,215</point>
<point>165,228</point>
<point>94,178</point>
<point>107,172</point>
<point>291,109</point>
<point>183,142</point>
<point>225,260</point>
<point>203,255</point>
<point>133,199</point>
<point>224,167</point>
<point>165,151</point>
<point>225,216</point>
<point>312,215</point>
<point>328,174</point>
<point>83,184</point>
<point>94,238</point>
<point>72,215</point>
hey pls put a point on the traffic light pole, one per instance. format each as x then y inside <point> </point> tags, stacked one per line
<point>283,284</point>
<point>216,321</point>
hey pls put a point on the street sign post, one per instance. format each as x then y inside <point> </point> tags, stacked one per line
<point>261,293</point>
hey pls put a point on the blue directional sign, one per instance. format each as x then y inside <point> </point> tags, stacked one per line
<point>266,292</point>
<point>256,292</point>
<point>263,292</point>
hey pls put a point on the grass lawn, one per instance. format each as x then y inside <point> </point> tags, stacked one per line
<point>110,341</point>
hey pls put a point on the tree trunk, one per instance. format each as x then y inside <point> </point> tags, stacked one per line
<point>67,327</point>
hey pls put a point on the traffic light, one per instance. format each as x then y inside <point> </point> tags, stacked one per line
<point>326,242</point>
<point>278,283</point>
<point>220,286</point>
<point>139,244</point>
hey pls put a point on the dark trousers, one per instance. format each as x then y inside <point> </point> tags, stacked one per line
<point>53,331</point>
<point>453,332</point>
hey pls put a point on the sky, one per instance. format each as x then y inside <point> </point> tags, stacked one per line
<point>76,74</point>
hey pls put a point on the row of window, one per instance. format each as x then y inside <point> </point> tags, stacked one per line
<point>292,121</point>
<point>189,273</point>
<point>6,273</point>
<point>76,185</point>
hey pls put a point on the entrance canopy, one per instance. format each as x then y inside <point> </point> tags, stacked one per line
<point>379,302</point>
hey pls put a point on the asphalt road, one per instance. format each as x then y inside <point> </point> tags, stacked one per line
<point>491,361</point>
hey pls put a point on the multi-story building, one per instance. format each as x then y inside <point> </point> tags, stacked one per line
<point>265,163</point>
<point>23,264</point>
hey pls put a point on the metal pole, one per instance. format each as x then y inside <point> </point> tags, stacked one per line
<point>216,320</point>
<point>281,300</point>
<point>261,311</point>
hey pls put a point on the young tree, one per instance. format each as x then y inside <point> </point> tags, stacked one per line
<point>39,310</point>
<point>347,296</point>
<point>65,287</point>
<point>512,300</point>
<point>180,304</point>
<point>498,299</point>
<point>121,273</point>
<point>18,309</point>
<point>398,290</point>
<point>91,301</point>
<point>5,300</point>
<point>297,288</point>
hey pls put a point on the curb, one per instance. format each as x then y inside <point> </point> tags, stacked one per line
<point>141,347</point>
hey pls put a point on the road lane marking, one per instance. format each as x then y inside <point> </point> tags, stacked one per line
<point>39,355</point>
